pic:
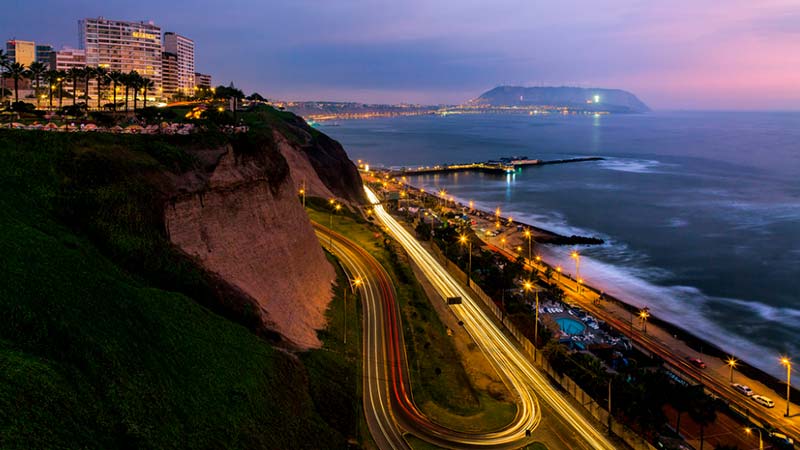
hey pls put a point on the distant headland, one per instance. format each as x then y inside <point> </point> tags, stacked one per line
<point>574,98</point>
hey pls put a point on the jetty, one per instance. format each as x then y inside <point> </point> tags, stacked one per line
<point>501,166</point>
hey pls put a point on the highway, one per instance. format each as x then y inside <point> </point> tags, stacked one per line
<point>716,383</point>
<point>526,382</point>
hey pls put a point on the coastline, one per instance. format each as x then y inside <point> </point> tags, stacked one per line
<point>543,236</point>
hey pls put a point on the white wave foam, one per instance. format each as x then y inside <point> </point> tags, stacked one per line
<point>630,165</point>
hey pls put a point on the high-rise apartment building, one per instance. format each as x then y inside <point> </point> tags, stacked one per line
<point>123,46</point>
<point>23,52</point>
<point>202,80</point>
<point>169,74</point>
<point>183,48</point>
<point>67,58</point>
<point>44,53</point>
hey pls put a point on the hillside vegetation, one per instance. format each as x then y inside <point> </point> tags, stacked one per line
<point>105,342</point>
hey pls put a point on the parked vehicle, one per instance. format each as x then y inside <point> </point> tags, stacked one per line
<point>743,389</point>
<point>697,362</point>
<point>763,401</point>
<point>782,440</point>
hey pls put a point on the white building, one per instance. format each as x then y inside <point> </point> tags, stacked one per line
<point>124,46</point>
<point>183,48</point>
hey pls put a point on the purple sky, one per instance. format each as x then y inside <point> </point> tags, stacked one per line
<point>677,54</point>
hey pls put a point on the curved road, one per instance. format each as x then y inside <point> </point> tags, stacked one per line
<point>522,378</point>
<point>388,405</point>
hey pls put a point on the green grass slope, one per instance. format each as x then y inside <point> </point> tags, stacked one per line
<point>94,355</point>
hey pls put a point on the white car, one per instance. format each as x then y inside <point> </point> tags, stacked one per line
<point>743,389</point>
<point>763,401</point>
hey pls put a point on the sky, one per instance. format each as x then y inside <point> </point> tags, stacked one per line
<point>675,54</point>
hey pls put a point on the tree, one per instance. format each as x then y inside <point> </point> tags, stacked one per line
<point>35,73</point>
<point>146,84</point>
<point>256,97</point>
<point>116,77</point>
<point>51,76</point>
<point>88,74</point>
<point>16,71</point>
<point>229,93</point>
<point>681,398</point>
<point>704,412</point>
<point>62,76</point>
<point>4,61</point>
<point>101,74</point>
<point>75,74</point>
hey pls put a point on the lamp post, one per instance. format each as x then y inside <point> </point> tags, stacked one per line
<point>644,314</point>
<point>465,240</point>
<point>528,236</point>
<point>303,193</point>
<point>336,207</point>
<point>353,285</point>
<point>577,257</point>
<point>528,286</point>
<point>731,362</point>
<point>788,363</point>
<point>503,242</point>
<point>558,270</point>
<point>749,430</point>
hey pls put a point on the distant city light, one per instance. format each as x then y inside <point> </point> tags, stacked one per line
<point>597,99</point>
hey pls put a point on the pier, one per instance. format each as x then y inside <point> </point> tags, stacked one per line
<point>502,166</point>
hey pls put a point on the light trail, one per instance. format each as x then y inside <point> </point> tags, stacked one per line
<point>522,377</point>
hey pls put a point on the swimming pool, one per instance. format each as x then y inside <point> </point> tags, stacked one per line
<point>570,326</point>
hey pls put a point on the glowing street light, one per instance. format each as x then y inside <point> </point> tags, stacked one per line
<point>335,207</point>
<point>558,270</point>
<point>303,193</point>
<point>577,257</point>
<point>528,286</point>
<point>749,430</point>
<point>644,314</point>
<point>788,363</point>
<point>503,242</point>
<point>463,239</point>
<point>528,236</point>
<point>353,285</point>
<point>731,362</point>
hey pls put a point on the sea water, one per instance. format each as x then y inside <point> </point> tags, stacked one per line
<point>700,211</point>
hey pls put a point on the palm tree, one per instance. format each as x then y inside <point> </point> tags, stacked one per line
<point>75,74</point>
<point>101,74</point>
<point>116,77</point>
<point>136,83</point>
<point>3,66</point>
<point>88,74</point>
<point>704,412</point>
<point>60,79</point>
<point>128,81</point>
<point>36,72</point>
<point>16,71</point>
<point>146,84</point>
<point>52,80</point>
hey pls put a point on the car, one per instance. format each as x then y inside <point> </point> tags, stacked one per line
<point>696,362</point>
<point>782,439</point>
<point>743,389</point>
<point>763,401</point>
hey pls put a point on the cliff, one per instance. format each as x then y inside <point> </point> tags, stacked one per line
<point>590,99</point>
<point>241,219</point>
<point>114,336</point>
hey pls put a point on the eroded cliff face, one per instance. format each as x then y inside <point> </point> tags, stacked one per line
<point>242,220</point>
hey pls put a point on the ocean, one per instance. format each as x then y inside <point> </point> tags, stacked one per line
<point>700,211</point>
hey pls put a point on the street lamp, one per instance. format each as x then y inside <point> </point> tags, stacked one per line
<point>528,286</point>
<point>788,363</point>
<point>336,207</point>
<point>463,239</point>
<point>503,242</point>
<point>303,193</point>
<point>577,257</point>
<point>749,430</point>
<point>558,269</point>
<point>353,285</point>
<point>644,314</point>
<point>528,236</point>
<point>731,362</point>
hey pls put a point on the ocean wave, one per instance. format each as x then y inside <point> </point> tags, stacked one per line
<point>630,165</point>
